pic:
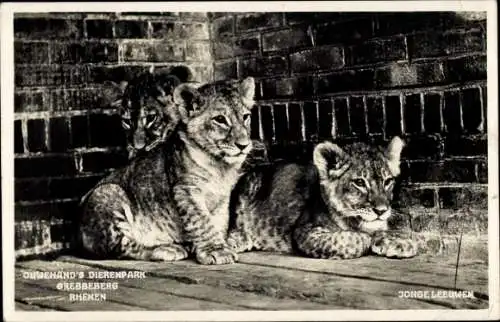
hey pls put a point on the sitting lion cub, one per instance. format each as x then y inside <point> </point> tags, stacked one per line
<point>337,208</point>
<point>173,201</point>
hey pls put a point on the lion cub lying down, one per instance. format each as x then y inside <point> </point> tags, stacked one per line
<point>337,208</point>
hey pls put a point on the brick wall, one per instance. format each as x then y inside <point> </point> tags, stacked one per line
<point>368,76</point>
<point>341,76</point>
<point>66,134</point>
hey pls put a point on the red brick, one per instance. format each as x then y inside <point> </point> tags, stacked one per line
<point>288,87</point>
<point>246,45</point>
<point>100,161</point>
<point>410,197</point>
<point>71,75</point>
<point>346,81</point>
<point>169,30</point>
<point>71,187</point>
<point>153,52</point>
<point>344,32</point>
<point>44,166</point>
<point>101,53</point>
<point>223,26</point>
<point>71,53</point>
<point>228,47</point>
<point>90,52</point>
<point>393,114</point>
<point>325,119</point>
<point>100,74</point>
<point>410,22</point>
<point>318,58</point>
<point>472,111</point>
<point>423,147</point>
<point>203,74</point>
<point>375,110</point>
<point>106,130</point>
<point>50,75</point>
<point>443,171</point>
<point>452,112</point>
<point>36,135</point>
<point>280,123</point>
<point>31,52</point>
<point>376,51</point>
<point>80,131</point>
<point>342,122</point>
<point>18,137</point>
<point>29,102</point>
<point>295,123</point>
<point>266,112</point>
<point>223,48</point>
<point>259,20</point>
<point>99,28</point>
<point>27,212</point>
<point>30,189</point>
<point>406,75</point>
<point>263,66</point>
<point>466,146</point>
<point>285,39</point>
<point>59,134</point>
<point>458,198</point>
<point>198,51</point>
<point>432,113</point>
<point>225,70</point>
<point>46,28</point>
<point>311,120</point>
<point>73,99</point>
<point>413,113</point>
<point>357,115</point>
<point>467,68</point>
<point>434,43</point>
<point>482,172</point>
<point>131,29</point>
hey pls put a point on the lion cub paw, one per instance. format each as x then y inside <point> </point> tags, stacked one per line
<point>216,255</point>
<point>239,242</point>
<point>395,247</point>
<point>169,253</point>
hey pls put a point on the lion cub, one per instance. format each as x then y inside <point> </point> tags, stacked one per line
<point>174,200</point>
<point>339,207</point>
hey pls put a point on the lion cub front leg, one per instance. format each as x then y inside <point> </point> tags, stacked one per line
<point>207,237</point>
<point>321,242</point>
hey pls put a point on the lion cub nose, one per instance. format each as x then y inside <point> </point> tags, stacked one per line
<point>242,146</point>
<point>380,210</point>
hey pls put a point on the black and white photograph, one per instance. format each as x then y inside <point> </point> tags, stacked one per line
<point>230,161</point>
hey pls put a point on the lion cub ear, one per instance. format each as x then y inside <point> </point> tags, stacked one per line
<point>330,160</point>
<point>247,91</point>
<point>393,154</point>
<point>187,99</point>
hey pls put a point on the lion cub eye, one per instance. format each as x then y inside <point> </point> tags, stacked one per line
<point>388,182</point>
<point>360,183</point>
<point>221,119</point>
<point>151,118</point>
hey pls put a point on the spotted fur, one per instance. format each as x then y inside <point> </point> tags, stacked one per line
<point>173,201</point>
<point>338,207</point>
